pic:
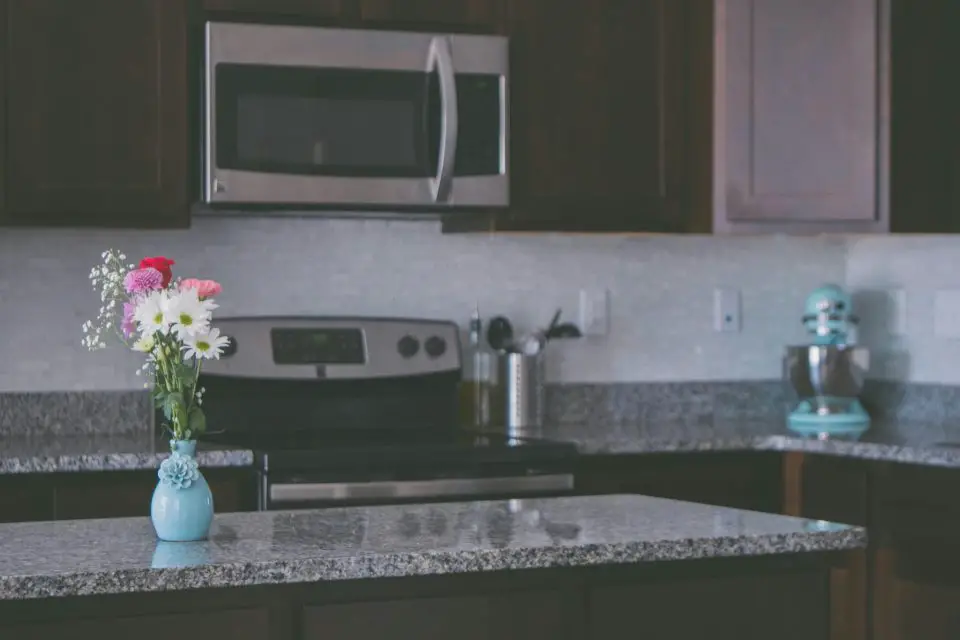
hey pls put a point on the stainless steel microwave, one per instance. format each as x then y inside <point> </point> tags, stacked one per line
<point>318,117</point>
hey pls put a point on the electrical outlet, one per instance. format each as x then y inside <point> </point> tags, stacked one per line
<point>726,310</point>
<point>898,312</point>
<point>594,312</point>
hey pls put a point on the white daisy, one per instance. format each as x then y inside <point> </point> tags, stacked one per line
<point>208,345</point>
<point>188,314</point>
<point>150,314</point>
<point>144,344</point>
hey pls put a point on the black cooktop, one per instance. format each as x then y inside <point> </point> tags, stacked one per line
<point>395,449</point>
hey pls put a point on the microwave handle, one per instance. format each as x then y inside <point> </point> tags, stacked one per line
<point>441,60</point>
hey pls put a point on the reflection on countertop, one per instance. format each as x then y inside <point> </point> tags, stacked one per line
<point>86,557</point>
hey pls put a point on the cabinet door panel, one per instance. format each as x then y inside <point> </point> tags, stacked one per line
<point>250,624</point>
<point>799,111</point>
<point>782,606</point>
<point>597,112</point>
<point>97,112</point>
<point>916,592</point>
<point>539,615</point>
<point>120,494</point>
<point>25,498</point>
<point>460,15</point>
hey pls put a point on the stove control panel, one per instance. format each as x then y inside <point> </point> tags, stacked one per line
<point>336,348</point>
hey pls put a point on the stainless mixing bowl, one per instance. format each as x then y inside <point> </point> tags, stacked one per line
<point>827,371</point>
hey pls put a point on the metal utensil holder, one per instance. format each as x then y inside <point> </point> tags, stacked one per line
<point>522,384</point>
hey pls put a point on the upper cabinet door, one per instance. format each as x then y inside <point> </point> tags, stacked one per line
<point>97,107</point>
<point>597,114</point>
<point>801,115</point>
<point>484,16</point>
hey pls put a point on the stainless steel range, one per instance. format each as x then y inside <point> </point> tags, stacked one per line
<point>364,410</point>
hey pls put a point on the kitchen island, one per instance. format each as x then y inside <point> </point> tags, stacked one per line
<point>556,568</point>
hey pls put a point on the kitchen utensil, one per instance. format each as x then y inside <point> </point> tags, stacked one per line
<point>828,374</point>
<point>500,334</point>
<point>522,384</point>
<point>564,330</point>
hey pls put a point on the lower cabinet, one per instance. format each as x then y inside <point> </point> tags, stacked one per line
<point>541,615</point>
<point>250,624</point>
<point>751,480</point>
<point>119,494</point>
<point>916,576</point>
<point>109,494</point>
<point>916,591</point>
<point>787,606</point>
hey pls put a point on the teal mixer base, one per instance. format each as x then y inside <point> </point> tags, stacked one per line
<point>806,422</point>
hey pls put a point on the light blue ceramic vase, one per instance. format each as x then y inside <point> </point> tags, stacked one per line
<point>182,505</point>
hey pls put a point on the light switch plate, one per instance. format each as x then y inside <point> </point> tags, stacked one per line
<point>594,312</point>
<point>726,310</point>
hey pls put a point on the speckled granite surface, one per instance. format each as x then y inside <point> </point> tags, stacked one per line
<point>920,443</point>
<point>75,413</point>
<point>121,452</point>
<point>121,556</point>
<point>916,443</point>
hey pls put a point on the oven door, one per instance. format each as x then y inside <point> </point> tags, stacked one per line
<point>327,117</point>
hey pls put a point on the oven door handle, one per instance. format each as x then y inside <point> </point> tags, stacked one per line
<point>343,491</point>
<point>441,60</point>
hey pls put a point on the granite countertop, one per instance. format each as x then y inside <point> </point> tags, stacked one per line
<point>87,557</point>
<point>884,442</point>
<point>120,452</point>
<point>924,445</point>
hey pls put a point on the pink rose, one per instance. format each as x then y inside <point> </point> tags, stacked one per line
<point>142,280</point>
<point>205,288</point>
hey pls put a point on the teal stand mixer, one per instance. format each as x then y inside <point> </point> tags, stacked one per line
<point>828,373</point>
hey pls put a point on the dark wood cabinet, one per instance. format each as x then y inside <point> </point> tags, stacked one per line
<point>118,494</point>
<point>26,498</point>
<point>743,606</point>
<point>916,577</point>
<point>250,624</point>
<point>740,480</point>
<point>598,114</point>
<point>835,490</point>
<point>440,15</point>
<point>110,494</point>
<point>97,112</point>
<point>542,615</point>
<point>293,8</point>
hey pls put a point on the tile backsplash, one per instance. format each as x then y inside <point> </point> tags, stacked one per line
<point>908,349</point>
<point>661,291</point>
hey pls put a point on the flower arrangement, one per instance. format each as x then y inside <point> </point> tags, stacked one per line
<point>168,321</point>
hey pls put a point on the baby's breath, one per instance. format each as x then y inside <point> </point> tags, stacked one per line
<point>107,280</point>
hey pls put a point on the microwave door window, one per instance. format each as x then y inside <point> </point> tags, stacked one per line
<point>325,122</point>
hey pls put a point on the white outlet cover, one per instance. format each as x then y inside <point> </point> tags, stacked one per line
<point>594,312</point>
<point>726,310</point>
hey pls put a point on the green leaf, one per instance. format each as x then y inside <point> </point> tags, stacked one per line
<point>197,422</point>
<point>186,374</point>
<point>173,406</point>
<point>159,397</point>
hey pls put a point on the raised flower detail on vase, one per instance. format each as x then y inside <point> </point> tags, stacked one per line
<point>179,471</point>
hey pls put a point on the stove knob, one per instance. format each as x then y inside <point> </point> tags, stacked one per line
<point>408,346</point>
<point>435,346</point>
<point>230,348</point>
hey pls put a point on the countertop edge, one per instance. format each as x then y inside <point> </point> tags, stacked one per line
<point>420,564</point>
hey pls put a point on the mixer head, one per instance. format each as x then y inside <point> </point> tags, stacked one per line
<point>828,315</point>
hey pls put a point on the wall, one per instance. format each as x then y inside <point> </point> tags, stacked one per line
<point>661,291</point>
<point>920,266</point>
